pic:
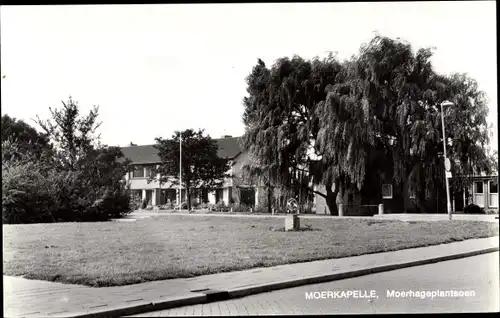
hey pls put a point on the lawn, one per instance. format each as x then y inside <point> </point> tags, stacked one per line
<point>122,253</point>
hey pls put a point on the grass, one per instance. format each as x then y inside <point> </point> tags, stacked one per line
<point>174,246</point>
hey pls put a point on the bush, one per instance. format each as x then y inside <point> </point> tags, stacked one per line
<point>183,206</point>
<point>195,204</point>
<point>240,207</point>
<point>115,203</point>
<point>25,195</point>
<point>134,205</point>
<point>144,203</point>
<point>33,193</point>
<point>473,209</point>
<point>219,206</point>
<point>261,208</point>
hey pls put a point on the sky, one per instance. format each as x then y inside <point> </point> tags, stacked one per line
<point>155,69</point>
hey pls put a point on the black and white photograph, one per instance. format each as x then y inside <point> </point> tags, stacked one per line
<point>240,159</point>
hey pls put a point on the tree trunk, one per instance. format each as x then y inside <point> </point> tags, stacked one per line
<point>269,198</point>
<point>331,199</point>
<point>188,198</point>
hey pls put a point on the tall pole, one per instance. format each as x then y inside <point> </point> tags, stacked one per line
<point>180,170</point>
<point>448,205</point>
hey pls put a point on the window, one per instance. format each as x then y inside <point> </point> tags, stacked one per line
<point>494,186</point>
<point>493,201</point>
<point>479,193</point>
<point>149,172</point>
<point>138,172</point>
<point>387,191</point>
<point>478,187</point>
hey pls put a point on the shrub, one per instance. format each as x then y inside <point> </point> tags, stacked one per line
<point>261,208</point>
<point>144,203</point>
<point>491,211</point>
<point>240,207</point>
<point>134,205</point>
<point>25,195</point>
<point>115,203</point>
<point>473,209</point>
<point>195,204</point>
<point>183,206</point>
<point>32,193</point>
<point>219,206</point>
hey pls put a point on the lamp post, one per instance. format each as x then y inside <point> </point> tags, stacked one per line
<point>447,164</point>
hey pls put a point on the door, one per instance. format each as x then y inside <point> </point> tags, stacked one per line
<point>459,200</point>
<point>149,197</point>
<point>219,195</point>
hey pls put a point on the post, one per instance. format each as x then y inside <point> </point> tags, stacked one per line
<point>341,209</point>
<point>381,209</point>
<point>448,205</point>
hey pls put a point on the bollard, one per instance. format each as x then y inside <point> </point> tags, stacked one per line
<point>292,222</point>
<point>380,209</point>
<point>341,209</point>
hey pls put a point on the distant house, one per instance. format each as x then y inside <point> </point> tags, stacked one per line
<point>145,157</point>
<point>483,192</point>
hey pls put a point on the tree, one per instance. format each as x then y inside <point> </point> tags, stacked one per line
<point>22,141</point>
<point>384,117</point>
<point>201,166</point>
<point>281,124</point>
<point>370,119</point>
<point>96,170</point>
<point>72,136</point>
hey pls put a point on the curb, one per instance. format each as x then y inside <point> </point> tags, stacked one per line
<point>144,307</point>
<point>199,298</point>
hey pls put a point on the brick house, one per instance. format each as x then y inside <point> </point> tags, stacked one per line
<point>483,192</point>
<point>145,157</point>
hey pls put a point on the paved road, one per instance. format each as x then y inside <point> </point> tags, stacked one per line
<point>478,274</point>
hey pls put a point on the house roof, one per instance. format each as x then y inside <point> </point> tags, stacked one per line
<point>229,147</point>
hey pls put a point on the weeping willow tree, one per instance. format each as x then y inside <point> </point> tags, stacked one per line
<point>356,124</point>
<point>280,120</point>
<point>384,118</point>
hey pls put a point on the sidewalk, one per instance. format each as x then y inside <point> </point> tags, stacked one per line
<point>147,214</point>
<point>28,298</point>
<point>437,217</point>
